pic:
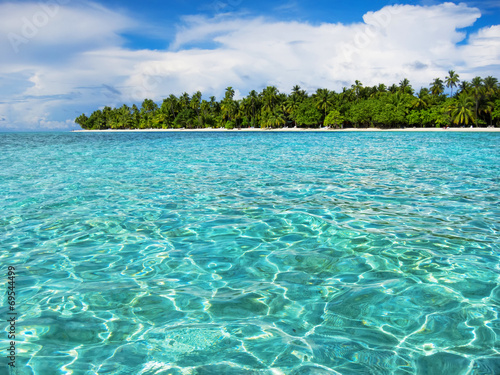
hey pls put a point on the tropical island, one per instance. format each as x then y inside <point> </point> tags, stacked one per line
<point>475,103</point>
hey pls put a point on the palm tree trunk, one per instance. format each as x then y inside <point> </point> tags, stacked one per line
<point>173,112</point>
<point>477,103</point>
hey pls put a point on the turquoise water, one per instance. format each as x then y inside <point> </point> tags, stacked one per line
<point>252,253</point>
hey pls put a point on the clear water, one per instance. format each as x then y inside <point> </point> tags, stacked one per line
<point>252,253</point>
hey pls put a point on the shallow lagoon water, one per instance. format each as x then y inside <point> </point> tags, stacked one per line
<point>252,253</point>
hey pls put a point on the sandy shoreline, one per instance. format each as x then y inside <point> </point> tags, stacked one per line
<point>467,130</point>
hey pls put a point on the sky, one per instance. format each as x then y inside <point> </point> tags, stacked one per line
<point>62,58</point>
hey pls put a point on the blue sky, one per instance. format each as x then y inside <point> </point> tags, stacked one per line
<point>61,58</point>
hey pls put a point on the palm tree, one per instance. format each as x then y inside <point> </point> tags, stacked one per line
<point>405,86</point>
<point>148,106</point>
<point>214,104</point>
<point>229,94</point>
<point>477,91</point>
<point>269,99</point>
<point>487,108</point>
<point>125,120</point>
<point>82,120</point>
<point>400,103</point>
<point>195,104</point>
<point>461,110</point>
<point>382,88</point>
<point>253,98</point>
<point>422,99</point>
<point>424,92</point>
<point>323,99</point>
<point>297,92</point>
<point>135,113</point>
<point>228,105</point>
<point>437,87</point>
<point>172,104</point>
<point>292,105</point>
<point>279,118</point>
<point>245,108</point>
<point>378,91</point>
<point>490,86</point>
<point>184,101</point>
<point>452,80</point>
<point>464,86</point>
<point>347,95</point>
<point>393,88</point>
<point>282,106</point>
<point>272,119</point>
<point>229,109</point>
<point>148,110</point>
<point>357,87</point>
<point>205,110</point>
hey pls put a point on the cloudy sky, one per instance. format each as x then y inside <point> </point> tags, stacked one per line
<point>61,58</point>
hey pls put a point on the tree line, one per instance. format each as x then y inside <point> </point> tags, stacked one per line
<point>475,103</point>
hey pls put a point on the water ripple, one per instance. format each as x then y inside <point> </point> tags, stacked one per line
<point>256,253</point>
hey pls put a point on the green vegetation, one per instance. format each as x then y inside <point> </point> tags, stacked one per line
<point>475,103</point>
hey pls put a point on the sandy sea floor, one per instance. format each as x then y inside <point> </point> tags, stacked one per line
<point>198,253</point>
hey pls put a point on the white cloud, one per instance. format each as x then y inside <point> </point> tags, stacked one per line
<point>77,62</point>
<point>483,49</point>
<point>46,29</point>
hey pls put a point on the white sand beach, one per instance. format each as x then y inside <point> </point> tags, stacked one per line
<point>480,130</point>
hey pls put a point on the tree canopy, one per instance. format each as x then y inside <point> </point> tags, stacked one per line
<point>473,103</point>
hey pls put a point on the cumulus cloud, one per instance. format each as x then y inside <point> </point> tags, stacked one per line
<point>88,66</point>
<point>483,49</point>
